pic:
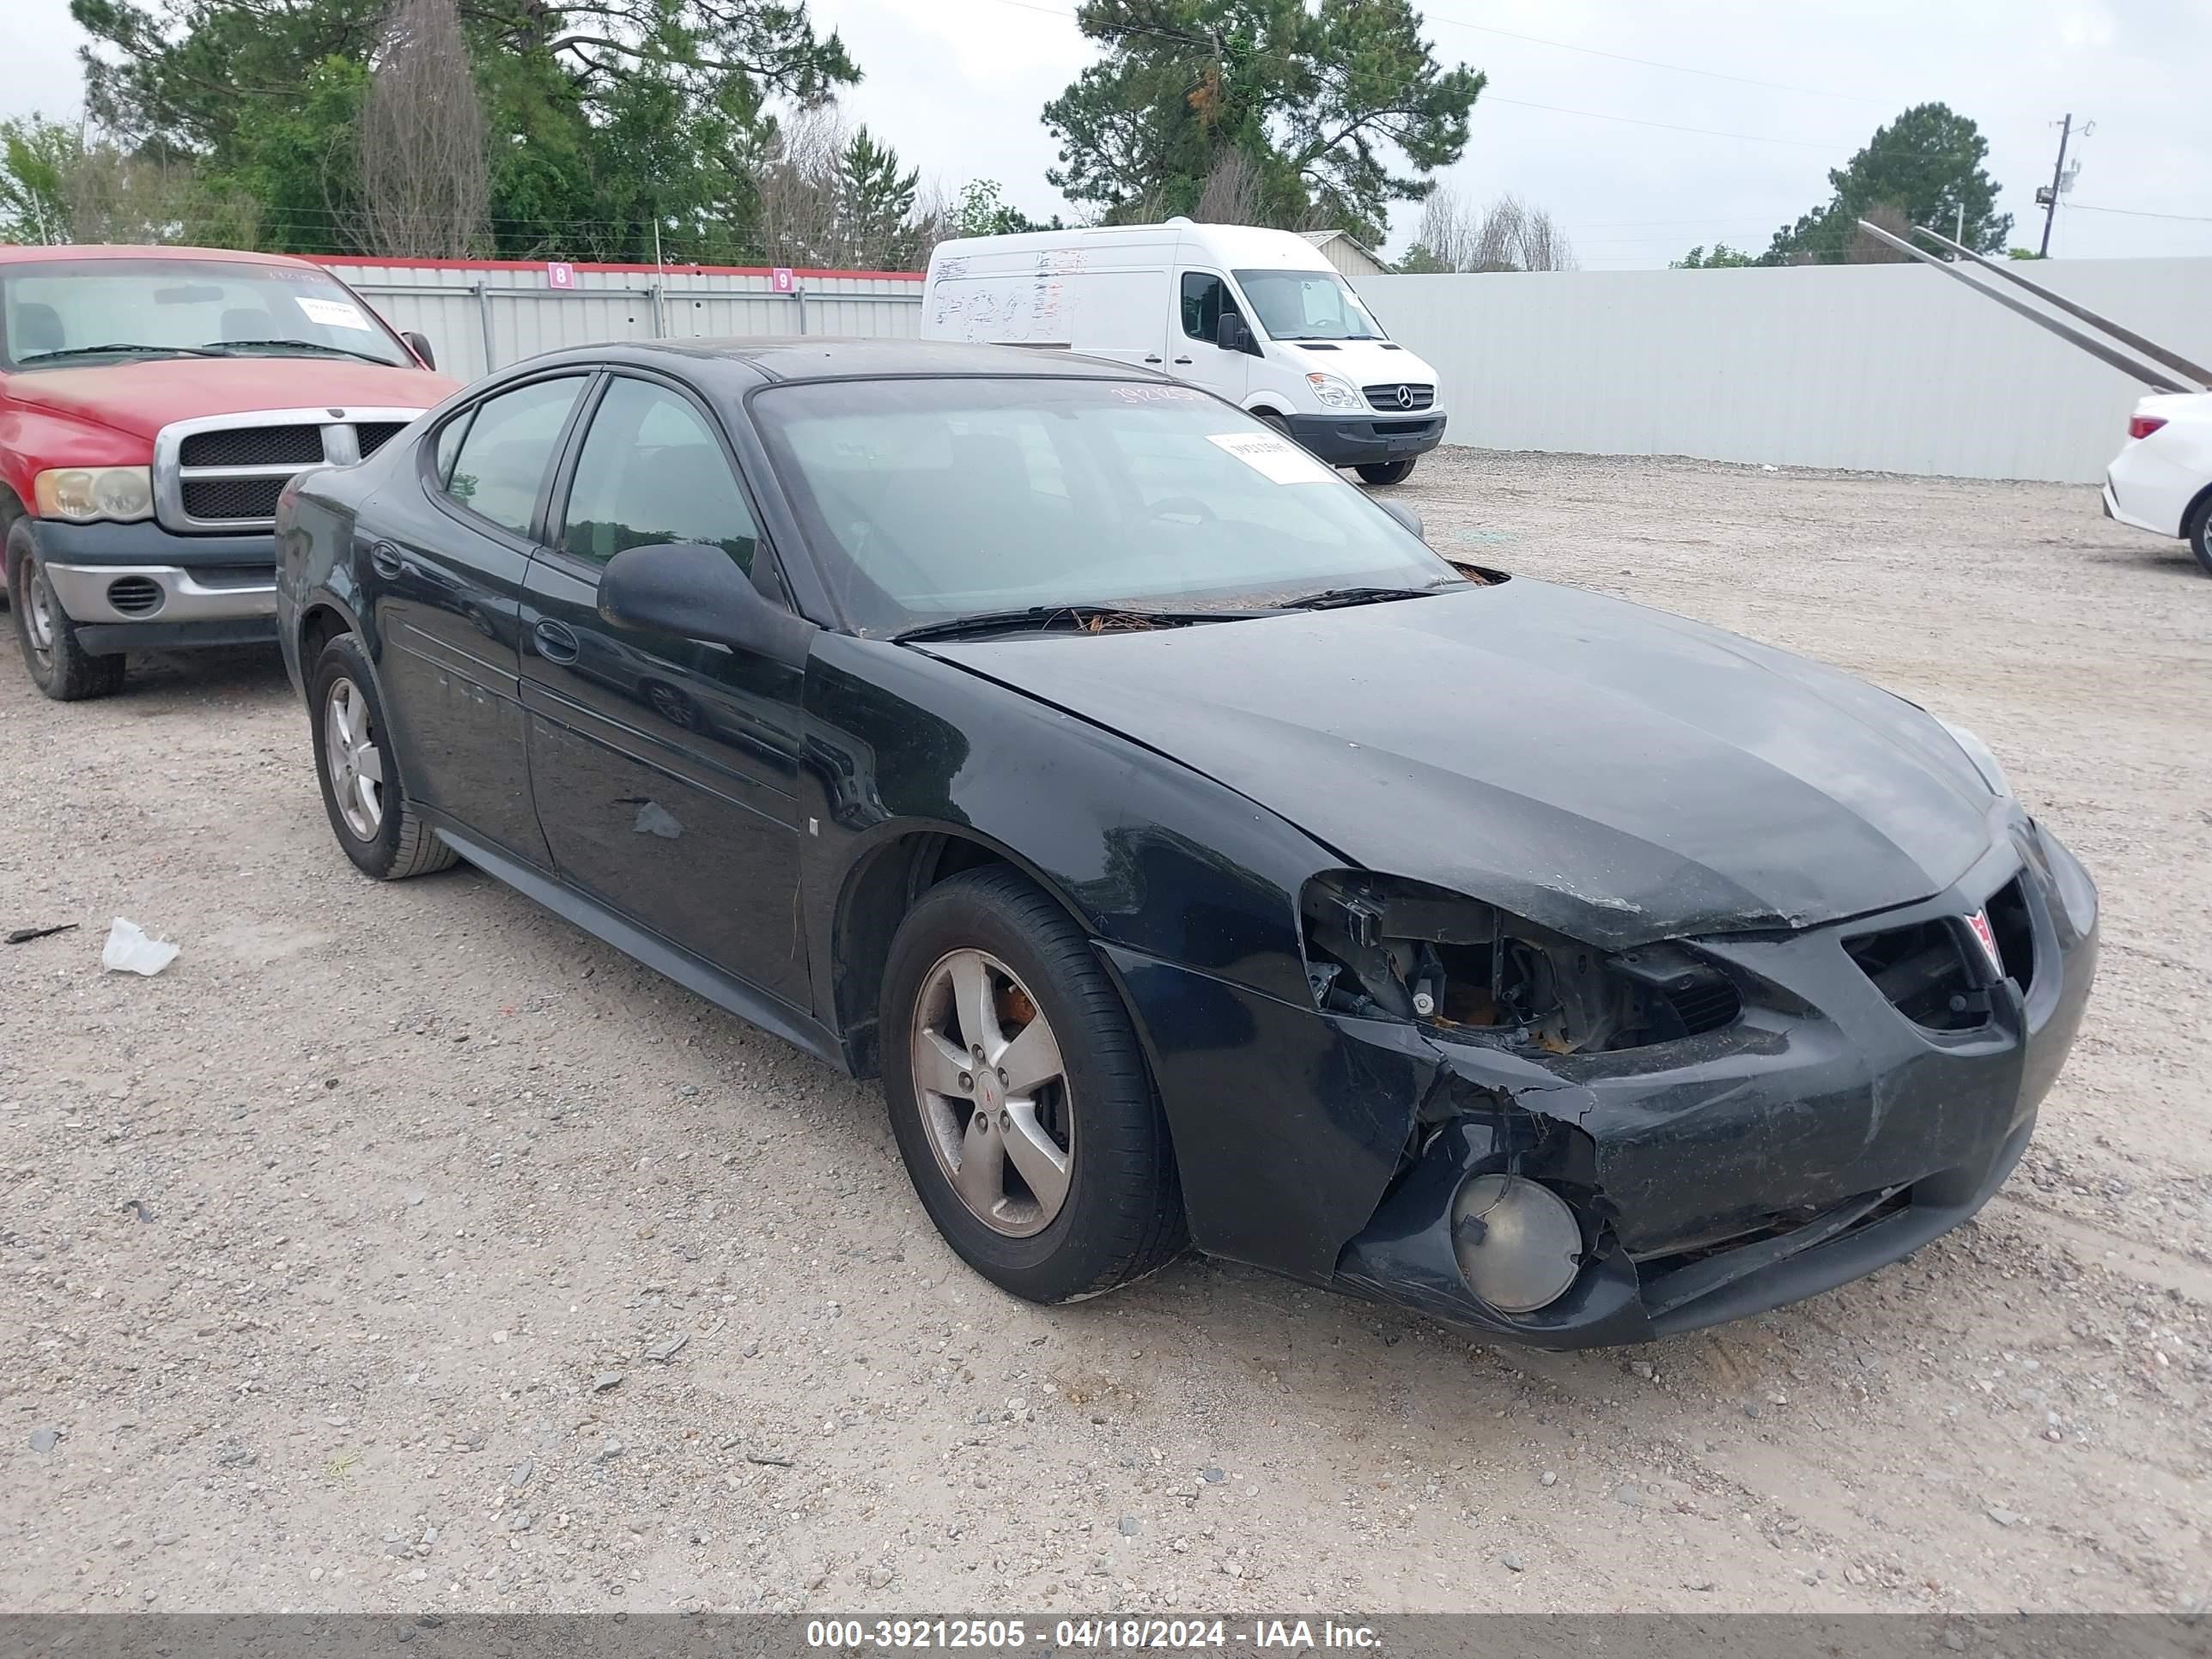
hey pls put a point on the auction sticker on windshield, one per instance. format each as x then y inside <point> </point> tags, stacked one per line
<point>331,313</point>
<point>1275,459</point>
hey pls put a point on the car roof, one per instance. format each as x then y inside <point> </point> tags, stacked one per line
<point>827,357</point>
<point>119,251</point>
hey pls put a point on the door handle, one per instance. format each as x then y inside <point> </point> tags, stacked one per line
<point>384,559</point>
<point>1154,358</point>
<point>556,643</point>
<point>1182,359</point>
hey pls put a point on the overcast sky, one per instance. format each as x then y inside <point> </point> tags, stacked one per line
<point>1785,92</point>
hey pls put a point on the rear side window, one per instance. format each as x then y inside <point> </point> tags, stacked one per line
<point>652,472</point>
<point>501,460</point>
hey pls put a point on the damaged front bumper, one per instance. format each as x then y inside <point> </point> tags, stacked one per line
<point>1819,1136</point>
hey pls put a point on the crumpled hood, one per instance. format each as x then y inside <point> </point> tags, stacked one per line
<point>1616,773</point>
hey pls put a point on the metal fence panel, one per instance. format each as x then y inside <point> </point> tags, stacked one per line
<point>1889,367</point>
<point>482,317</point>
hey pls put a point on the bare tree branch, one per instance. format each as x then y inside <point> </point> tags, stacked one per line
<point>425,173</point>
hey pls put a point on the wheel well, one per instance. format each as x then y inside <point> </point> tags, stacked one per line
<point>318,628</point>
<point>876,902</point>
<point>2203,504</point>
<point>11,508</point>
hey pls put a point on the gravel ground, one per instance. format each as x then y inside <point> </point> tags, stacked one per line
<point>402,1247</point>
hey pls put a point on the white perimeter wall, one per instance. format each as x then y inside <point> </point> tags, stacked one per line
<point>1891,368</point>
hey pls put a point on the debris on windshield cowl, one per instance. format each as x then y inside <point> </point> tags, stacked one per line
<point>129,951</point>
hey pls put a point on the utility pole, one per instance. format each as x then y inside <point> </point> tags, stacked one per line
<point>2058,176</point>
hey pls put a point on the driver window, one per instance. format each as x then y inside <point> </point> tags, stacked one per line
<point>1205,297</point>
<point>652,472</point>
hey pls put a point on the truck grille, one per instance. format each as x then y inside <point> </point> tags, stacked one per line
<point>253,446</point>
<point>1397,398</point>
<point>223,473</point>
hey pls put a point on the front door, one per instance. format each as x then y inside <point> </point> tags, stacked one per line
<point>664,769</point>
<point>447,598</point>
<point>1203,297</point>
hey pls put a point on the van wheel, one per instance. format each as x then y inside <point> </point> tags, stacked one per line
<point>1386,472</point>
<point>59,666</point>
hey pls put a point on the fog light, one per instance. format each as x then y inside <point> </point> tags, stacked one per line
<point>1519,1245</point>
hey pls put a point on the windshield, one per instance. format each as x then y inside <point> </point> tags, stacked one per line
<point>61,314</point>
<point>935,499</point>
<point>1308,305</point>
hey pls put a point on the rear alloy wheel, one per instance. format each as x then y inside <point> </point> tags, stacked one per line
<point>362,790</point>
<point>1387,473</point>
<point>2200,535</point>
<point>59,666</point>
<point>1019,1096</point>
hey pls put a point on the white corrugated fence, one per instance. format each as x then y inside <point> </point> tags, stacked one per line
<point>1890,368</point>
<point>483,316</point>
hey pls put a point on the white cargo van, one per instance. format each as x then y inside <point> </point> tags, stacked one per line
<point>1256,316</point>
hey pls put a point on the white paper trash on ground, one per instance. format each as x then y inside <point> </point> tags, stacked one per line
<point>129,951</point>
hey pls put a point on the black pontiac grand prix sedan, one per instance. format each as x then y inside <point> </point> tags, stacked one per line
<point>1195,856</point>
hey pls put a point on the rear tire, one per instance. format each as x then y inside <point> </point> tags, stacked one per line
<point>364,792</point>
<point>59,665</point>
<point>2200,535</point>
<point>1112,1212</point>
<point>1386,472</point>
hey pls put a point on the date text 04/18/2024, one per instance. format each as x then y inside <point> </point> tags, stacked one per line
<point>988,1635</point>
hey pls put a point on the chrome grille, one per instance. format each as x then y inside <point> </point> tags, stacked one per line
<point>1396,398</point>
<point>253,446</point>
<point>224,472</point>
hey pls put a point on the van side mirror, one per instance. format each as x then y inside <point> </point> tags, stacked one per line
<point>1230,334</point>
<point>421,348</point>
<point>696,591</point>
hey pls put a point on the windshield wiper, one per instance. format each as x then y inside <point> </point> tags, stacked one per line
<point>118,345</point>
<point>1331,598</point>
<point>223,348</point>
<point>1065,619</point>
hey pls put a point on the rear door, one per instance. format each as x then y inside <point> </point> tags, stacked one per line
<point>446,591</point>
<point>664,769</point>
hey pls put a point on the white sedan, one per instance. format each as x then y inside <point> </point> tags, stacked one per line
<point>2161,480</point>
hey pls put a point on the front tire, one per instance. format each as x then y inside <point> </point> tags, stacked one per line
<point>1019,1096</point>
<point>1386,472</point>
<point>363,791</point>
<point>2200,535</point>
<point>59,665</point>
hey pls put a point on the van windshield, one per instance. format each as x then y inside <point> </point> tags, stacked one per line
<point>83,314</point>
<point>931,500</point>
<point>1308,305</point>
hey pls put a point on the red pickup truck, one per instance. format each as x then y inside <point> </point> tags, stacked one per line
<point>153,402</point>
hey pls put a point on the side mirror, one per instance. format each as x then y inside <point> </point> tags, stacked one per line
<point>421,348</point>
<point>696,591</point>
<point>1406,516</point>
<point>1230,332</point>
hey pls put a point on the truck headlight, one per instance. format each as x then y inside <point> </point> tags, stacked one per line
<point>1334,393</point>
<point>82,494</point>
<point>1978,752</point>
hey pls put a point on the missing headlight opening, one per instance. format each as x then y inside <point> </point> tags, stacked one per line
<point>1380,947</point>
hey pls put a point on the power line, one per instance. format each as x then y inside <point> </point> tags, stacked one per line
<point>2141,213</point>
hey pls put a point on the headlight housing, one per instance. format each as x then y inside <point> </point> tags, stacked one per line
<point>83,494</point>
<point>1334,393</point>
<point>1383,947</point>
<point>1978,752</point>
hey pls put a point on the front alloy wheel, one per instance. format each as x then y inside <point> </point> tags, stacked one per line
<point>994,1093</point>
<point>1019,1096</point>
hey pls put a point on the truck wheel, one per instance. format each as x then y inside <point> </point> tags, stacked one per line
<point>358,765</point>
<point>2200,535</point>
<point>1019,1095</point>
<point>59,666</point>
<point>1386,472</point>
